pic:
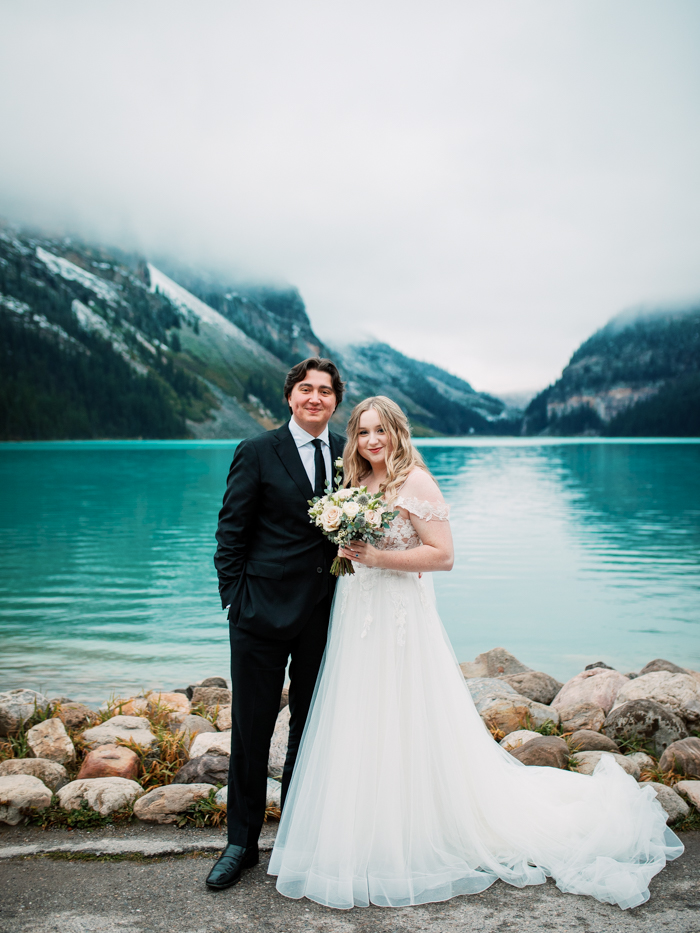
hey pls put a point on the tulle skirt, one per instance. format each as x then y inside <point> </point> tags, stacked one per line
<point>401,796</point>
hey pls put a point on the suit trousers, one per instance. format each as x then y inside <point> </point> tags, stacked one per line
<point>258,666</point>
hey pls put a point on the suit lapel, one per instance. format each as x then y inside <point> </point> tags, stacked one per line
<point>287,451</point>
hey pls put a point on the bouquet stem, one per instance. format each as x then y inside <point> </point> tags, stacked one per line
<point>341,566</point>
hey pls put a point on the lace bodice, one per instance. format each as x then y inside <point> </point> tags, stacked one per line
<point>427,504</point>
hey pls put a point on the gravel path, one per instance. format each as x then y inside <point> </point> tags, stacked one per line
<point>41,894</point>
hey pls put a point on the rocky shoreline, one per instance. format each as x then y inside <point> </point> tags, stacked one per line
<point>162,758</point>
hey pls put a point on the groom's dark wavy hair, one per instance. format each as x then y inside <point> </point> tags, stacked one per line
<point>298,374</point>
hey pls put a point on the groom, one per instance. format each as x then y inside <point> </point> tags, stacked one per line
<point>275,581</point>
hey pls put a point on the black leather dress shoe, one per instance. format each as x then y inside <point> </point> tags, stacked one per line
<point>227,871</point>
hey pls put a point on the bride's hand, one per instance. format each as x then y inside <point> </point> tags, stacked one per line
<point>361,552</point>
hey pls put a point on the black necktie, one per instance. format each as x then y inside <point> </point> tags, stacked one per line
<point>320,469</point>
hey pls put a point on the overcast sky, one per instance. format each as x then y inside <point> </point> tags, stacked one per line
<point>482,184</point>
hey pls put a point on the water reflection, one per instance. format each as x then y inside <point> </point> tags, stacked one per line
<point>565,554</point>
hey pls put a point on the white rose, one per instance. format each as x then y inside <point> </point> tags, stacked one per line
<point>331,518</point>
<point>373,517</point>
<point>338,464</point>
<point>351,509</point>
<point>344,493</point>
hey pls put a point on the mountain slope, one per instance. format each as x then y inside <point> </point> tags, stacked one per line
<point>97,343</point>
<point>637,376</point>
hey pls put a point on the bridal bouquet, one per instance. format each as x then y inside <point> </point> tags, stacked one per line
<point>347,515</point>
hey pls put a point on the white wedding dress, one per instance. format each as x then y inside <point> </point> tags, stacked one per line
<point>401,796</point>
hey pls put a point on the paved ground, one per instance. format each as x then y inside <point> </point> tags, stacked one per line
<point>59,894</point>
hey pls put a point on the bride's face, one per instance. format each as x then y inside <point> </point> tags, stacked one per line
<point>372,442</point>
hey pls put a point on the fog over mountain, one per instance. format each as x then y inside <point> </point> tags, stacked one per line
<point>479,185</point>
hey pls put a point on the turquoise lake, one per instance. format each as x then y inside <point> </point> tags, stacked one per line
<point>567,552</point>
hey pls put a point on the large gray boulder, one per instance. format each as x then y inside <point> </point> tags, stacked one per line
<point>19,795</point>
<point>683,757</point>
<point>17,706</point>
<point>647,721</point>
<point>165,804</point>
<point>596,687</point>
<point>679,692</point>
<point>492,663</point>
<point>103,794</point>
<point>534,685</point>
<point>586,762</point>
<point>676,808</point>
<point>548,751</point>
<point>128,728</point>
<point>207,769</point>
<point>53,774</point>
<point>49,739</point>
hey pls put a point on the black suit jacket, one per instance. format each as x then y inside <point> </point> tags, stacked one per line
<point>273,564</point>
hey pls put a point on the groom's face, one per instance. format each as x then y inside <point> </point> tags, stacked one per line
<point>312,401</point>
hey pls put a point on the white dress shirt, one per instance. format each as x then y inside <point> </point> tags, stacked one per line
<point>307,451</point>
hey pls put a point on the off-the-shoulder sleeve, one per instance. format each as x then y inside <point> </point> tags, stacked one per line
<point>421,496</point>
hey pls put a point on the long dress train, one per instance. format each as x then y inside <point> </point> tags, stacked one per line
<point>401,796</point>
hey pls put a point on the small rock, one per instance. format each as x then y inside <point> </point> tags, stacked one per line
<point>680,692</point>
<point>75,715</point>
<point>480,687</point>
<point>590,667</point>
<point>492,663</point>
<point>660,665</point>
<point>20,793</point>
<point>104,794</point>
<point>518,738</point>
<point>132,706</point>
<point>284,699</point>
<point>585,740</point>
<point>211,696</point>
<point>582,716</point>
<point>647,721</point>
<point>17,706</point>
<point>278,745</point>
<point>168,703</point>
<point>164,804</point>
<point>182,690</point>
<point>643,761</point>
<point>214,682</point>
<point>674,805</point>
<point>207,769</point>
<point>110,761</point>
<point>502,708</point>
<point>223,719</point>
<point>134,728</point>
<point>691,790</point>
<point>683,756</point>
<point>274,794</point>
<point>51,773</point>
<point>548,751</point>
<point>193,726</point>
<point>534,685</point>
<point>49,739</point>
<point>596,687</point>
<point>211,743</point>
<point>586,762</point>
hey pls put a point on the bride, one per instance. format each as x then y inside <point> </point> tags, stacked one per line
<point>400,795</point>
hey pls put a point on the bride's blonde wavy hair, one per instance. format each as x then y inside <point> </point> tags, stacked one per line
<point>403,456</point>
